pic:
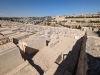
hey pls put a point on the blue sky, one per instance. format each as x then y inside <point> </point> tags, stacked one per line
<point>28,8</point>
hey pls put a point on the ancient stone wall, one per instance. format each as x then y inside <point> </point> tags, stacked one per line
<point>82,61</point>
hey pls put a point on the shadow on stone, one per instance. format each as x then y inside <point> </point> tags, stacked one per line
<point>68,65</point>
<point>29,58</point>
<point>47,42</point>
<point>98,32</point>
<point>93,65</point>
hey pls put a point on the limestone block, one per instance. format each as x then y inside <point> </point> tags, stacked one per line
<point>76,37</point>
<point>10,58</point>
<point>31,45</point>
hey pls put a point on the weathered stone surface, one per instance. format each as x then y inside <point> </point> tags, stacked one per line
<point>10,58</point>
<point>82,61</point>
<point>32,44</point>
<point>28,70</point>
<point>93,55</point>
<point>18,68</point>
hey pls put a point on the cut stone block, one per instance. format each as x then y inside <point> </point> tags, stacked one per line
<point>10,57</point>
<point>32,44</point>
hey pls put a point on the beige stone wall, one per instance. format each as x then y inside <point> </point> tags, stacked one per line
<point>82,62</point>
